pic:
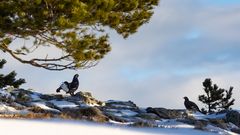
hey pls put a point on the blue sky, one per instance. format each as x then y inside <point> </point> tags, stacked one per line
<point>185,42</point>
<point>221,2</point>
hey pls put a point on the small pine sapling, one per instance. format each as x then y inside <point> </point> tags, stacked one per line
<point>227,100</point>
<point>9,79</point>
<point>213,94</point>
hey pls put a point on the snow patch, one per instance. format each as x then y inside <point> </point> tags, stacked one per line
<point>200,116</point>
<point>219,130</point>
<point>173,124</point>
<point>5,109</point>
<point>6,95</point>
<point>122,112</point>
<point>120,123</point>
<point>113,101</point>
<point>35,97</point>
<point>121,106</point>
<point>44,106</point>
<point>63,104</point>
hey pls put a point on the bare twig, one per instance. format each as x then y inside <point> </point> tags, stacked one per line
<point>48,65</point>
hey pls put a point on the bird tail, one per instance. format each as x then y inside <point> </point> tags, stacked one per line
<point>199,110</point>
<point>58,89</point>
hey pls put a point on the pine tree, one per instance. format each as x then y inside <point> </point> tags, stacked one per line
<point>77,29</point>
<point>9,79</point>
<point>213,94</point>
<point>216,98</point>
<point>226,101</point>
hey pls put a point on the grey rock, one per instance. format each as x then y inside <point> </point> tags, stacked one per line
<point>219,123</point>
<point>236,130</point>
<point>144,124</point>
<point>121,104</point>
<point>148,116</point>
<point>165,113</point>
<point>117,118</point>
<point>233,117</point>
<point>51,97</point>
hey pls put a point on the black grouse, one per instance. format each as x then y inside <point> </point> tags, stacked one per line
<point>190,105</point>
<point>69,87</point>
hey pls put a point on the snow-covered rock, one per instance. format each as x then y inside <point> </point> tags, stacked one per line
<point>5,109</point>
<point>43,106</point>
<point>5,96</point>
<point>63,104</point>
<point>83,106</point>
<point>200,116</point>
<point>35,96</point>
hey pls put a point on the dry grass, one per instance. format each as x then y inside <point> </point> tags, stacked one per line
<point>36,109</point>
<point>28,116</point>
<point>91,114</point>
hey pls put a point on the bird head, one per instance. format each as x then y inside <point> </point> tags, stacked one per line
<point>186,98</point>
<point>76,76</point>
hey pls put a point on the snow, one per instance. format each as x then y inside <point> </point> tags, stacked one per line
<point>113,101</point>
<point>122,112</point>
<point>120,106</point>
<point>9,88</point>
<point>63,127</point>
<point>200,116</point>
<point>85,105</point>
<point>63,104</point>
<point>5,109</point>
<point>216,116</point>
<point>128,113</point>
<point>218,130</point>
<point>120,123</point>
<point>35,97</point>
<point>44,106</point>
<point>5,94</point>
<point>173,124</point>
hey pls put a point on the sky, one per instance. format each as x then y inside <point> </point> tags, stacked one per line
<point>168,58</point>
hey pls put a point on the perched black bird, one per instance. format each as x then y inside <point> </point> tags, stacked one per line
<point>69,87</point>
<point>190,105</point>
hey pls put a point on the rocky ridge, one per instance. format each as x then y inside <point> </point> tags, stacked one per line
<point>20,103</point>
